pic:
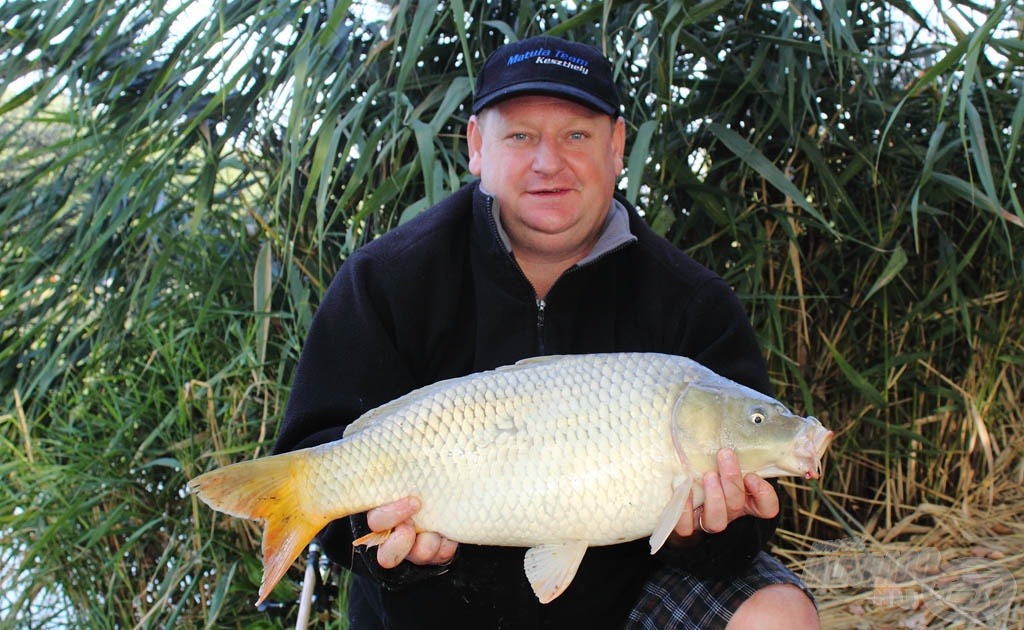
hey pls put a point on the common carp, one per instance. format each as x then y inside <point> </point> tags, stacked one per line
<point>555,454</point>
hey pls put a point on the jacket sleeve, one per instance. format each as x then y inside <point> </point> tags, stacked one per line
<point>349,365</point>
<point>718,335</point>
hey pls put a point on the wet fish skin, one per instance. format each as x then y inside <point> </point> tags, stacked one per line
<point>555,454</point>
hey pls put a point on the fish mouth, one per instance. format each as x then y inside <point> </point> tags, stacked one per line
<point>811,448</point>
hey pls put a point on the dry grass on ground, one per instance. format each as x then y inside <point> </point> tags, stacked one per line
<point>959,565</point>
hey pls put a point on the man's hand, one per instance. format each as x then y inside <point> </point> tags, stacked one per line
<point>728,495</point>
<point>404,542</point>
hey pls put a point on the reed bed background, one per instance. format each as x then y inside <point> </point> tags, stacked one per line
<point>178,184</point>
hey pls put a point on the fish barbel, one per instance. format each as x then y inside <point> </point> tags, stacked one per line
<point>555,454</point>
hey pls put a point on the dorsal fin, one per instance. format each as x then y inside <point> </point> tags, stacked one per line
<point>541,360</point>
<point>389,408</point>
<point>426,391</point>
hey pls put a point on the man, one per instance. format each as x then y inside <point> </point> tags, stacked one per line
<point>537,257</point>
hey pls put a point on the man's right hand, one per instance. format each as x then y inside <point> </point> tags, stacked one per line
<point>404,542</point>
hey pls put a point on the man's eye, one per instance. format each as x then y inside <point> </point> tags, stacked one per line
<point>577,136</point>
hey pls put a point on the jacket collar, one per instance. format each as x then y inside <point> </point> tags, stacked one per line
<point>614,235</point>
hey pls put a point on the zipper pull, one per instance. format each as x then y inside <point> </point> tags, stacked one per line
<point>540,325</point>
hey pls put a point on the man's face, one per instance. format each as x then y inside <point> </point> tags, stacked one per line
<point>552,165</point>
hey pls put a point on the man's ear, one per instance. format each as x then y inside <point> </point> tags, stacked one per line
<point>619,143</point>
<point>475,140</point>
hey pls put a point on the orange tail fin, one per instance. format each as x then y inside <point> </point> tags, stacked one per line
<point>269,489</point>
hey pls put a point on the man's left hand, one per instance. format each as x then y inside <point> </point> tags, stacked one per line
<point>728,495</point>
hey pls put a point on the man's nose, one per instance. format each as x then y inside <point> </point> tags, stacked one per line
<point>547,159</point>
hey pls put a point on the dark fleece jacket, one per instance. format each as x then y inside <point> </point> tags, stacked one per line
<point>441,297</point>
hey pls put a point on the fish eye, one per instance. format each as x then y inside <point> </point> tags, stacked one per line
<point>757,416</point>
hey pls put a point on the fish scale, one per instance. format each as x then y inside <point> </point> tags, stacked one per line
<point>555,454</point>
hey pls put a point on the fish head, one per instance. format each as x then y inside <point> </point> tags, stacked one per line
<point>767,437</point>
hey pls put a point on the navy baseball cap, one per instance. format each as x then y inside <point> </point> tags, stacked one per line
<point>547,65</point>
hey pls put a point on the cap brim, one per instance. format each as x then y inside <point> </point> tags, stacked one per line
<point>560,90</point>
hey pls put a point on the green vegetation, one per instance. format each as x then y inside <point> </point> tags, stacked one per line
<point>173,203</point>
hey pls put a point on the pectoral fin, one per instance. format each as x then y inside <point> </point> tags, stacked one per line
<point>551,568</point>
<point>670,515</point>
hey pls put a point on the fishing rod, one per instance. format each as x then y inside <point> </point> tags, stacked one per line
<point>318,592</point>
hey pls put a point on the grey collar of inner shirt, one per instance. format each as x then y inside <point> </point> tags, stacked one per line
<point>614,234</point>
